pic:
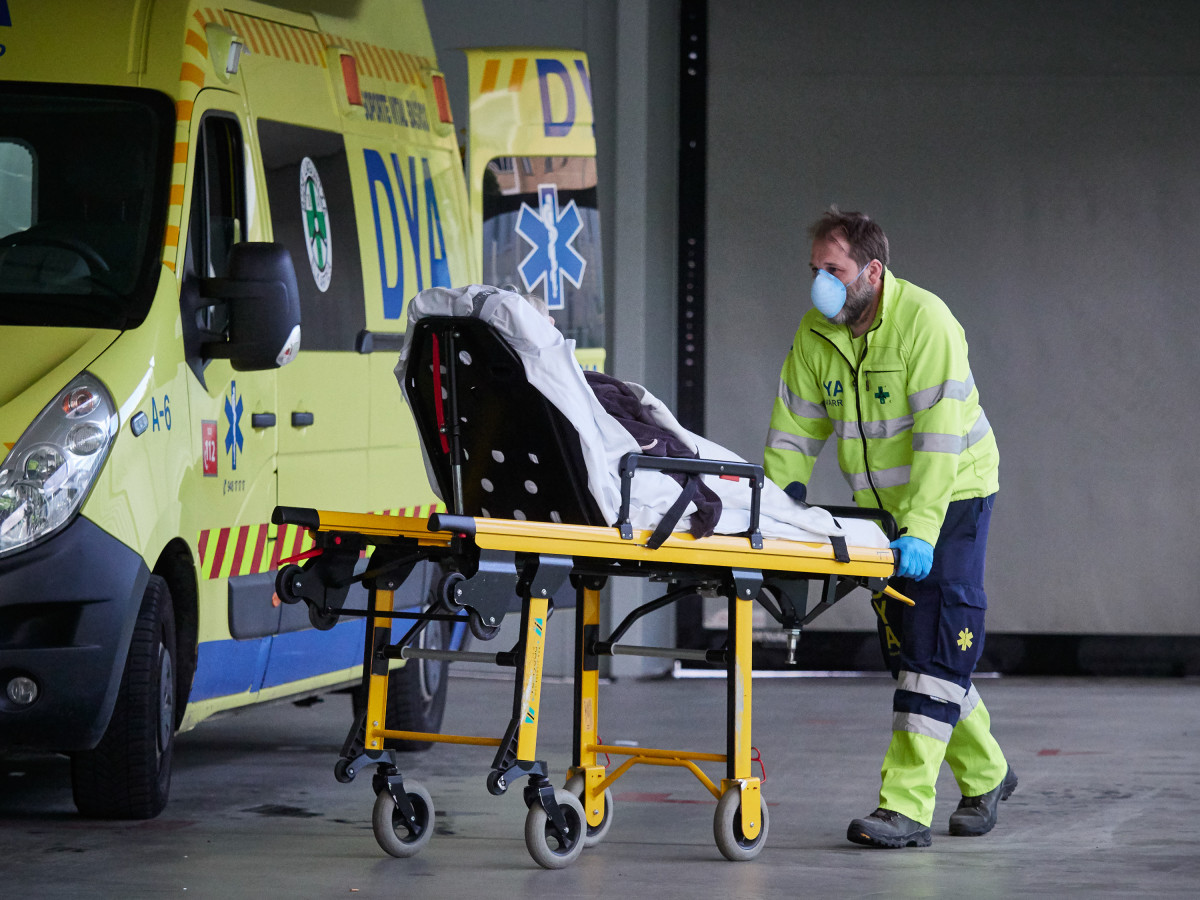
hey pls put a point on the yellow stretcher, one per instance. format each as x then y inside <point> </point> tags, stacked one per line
<point>492,562</point>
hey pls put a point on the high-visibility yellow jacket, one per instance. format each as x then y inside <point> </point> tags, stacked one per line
<point>903,404</point>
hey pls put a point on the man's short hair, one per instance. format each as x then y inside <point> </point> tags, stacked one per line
<point>861,233</point>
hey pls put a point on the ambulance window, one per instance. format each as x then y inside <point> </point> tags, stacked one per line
<point>541,232</point>
<point>307,174</point>
<point>218,196</point>
<point>85,179</point>
<point>17,201</point>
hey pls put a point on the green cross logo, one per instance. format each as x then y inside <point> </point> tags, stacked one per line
<point>315,214</point>
<point>314,221</point>
<point>881,395</point>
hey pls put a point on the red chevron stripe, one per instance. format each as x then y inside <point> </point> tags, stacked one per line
<point>239,551</point>
<point>219,553</point>
<point>256,563</point>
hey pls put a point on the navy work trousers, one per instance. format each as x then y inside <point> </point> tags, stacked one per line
<point>942,635</point>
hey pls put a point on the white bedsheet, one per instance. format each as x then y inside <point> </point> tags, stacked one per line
<point>551,367</point>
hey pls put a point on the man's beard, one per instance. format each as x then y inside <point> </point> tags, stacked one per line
<point>858,297</point>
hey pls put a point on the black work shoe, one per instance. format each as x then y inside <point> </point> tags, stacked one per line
<point>887,828</point>
<point>977,815</point>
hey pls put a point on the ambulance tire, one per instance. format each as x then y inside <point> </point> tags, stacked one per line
<point>128,774</point>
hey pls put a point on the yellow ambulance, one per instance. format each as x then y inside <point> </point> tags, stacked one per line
<point>211,219</point>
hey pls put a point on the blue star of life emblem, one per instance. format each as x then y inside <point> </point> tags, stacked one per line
<point>551,231</point>
<point>233,415</point>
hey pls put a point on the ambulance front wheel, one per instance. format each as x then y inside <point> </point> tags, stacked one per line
<point>549,848</point>
<point>128,774</point>
<point>727,827</point>
<point>398,836</point>
<point>595,833</point>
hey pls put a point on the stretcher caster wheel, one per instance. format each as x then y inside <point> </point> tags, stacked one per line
<point>497,784</point>
<point>285,583</point>
<point>479,629</point>
<point>398,837</point>
<point>595,833</point>
<point>727,828</point>
<point>321,620</point>
<point>549,849</point>
<point>445,591</point>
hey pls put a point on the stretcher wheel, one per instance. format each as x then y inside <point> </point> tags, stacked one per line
<point>595,833</point>
<point>398,837</point>
<point>496,783</point>
<point>285,582</point>
<point>445,589</point>
<point>480,630</point>
<point>727,828</point>
<point>549,849</point>
<point>321,620</point>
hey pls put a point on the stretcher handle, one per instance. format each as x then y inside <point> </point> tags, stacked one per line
<point>895,594</point>
<point>631,462</point>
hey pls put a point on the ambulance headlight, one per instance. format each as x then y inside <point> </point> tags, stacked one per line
<point>47,475</point>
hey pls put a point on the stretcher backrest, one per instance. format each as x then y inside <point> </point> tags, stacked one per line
<point>518,455</point>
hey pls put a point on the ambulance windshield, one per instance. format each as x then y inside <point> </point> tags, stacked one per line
<point>84,180</point>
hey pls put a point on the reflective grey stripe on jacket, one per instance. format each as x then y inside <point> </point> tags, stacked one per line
<point>782,440</point>
<point>798,406</point>
<point>947,390</point>
<point>883,478</point>
<point>851,429</point>
<point>952,443</point>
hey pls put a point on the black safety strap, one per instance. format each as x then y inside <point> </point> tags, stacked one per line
<point>672,516</point>
<point>840,551</point>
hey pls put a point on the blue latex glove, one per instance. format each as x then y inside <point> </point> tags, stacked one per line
<point>797,491</point>
<point>916,557</point>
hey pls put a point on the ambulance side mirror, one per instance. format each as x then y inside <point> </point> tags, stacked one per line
<point>262,304</point>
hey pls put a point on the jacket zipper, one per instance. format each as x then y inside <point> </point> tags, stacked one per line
<point>862,437</point>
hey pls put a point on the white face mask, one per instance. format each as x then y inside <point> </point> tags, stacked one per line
<point>828,292</point>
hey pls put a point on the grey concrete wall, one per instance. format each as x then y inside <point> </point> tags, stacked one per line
<point>1035,165</point>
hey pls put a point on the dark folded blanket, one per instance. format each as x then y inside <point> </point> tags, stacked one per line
<point>623,405</point>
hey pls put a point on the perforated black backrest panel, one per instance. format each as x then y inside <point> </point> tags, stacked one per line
<point>521,458</point>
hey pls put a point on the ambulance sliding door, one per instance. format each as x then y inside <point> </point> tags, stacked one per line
<point>324,393</point>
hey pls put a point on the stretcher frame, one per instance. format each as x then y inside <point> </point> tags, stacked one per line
<point>489,562</point>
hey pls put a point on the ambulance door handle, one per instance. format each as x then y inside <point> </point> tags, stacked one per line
<point>262,420</point>
<point>301,419</point>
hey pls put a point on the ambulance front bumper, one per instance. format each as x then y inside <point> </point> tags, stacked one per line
<point>67,610</point>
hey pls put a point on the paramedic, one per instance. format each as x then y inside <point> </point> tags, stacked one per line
<point>882,364</point>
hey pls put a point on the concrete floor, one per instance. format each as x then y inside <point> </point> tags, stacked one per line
<point>1107,804</point>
